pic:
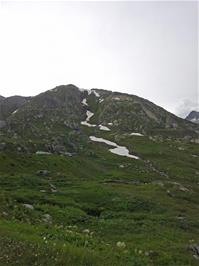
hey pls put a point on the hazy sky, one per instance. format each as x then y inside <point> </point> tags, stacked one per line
<point>143,48</point>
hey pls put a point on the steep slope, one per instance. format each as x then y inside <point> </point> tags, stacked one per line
<point>1,98</point>
<point>56,120</point>
<point>193,116</point>
<point>10,105</point>
<point>130,113</point>
<point>49,121</point>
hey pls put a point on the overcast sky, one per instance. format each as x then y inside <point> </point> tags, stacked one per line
<point>143,48</point>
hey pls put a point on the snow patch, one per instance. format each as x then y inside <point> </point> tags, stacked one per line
<point>194,119</point>
<point>87,90</point>
<point>43,153</point>
<point>96,93</point>
<point>15,111</point>
<point>119,150</point>
<point>136,134</point>
<point>116,98</point>
<point>123,151</point>
<point>108,142</point>
<point>101,127</point>
<point>84,102</point>
<point>86,122</point>
<point>54,90</point>
<point>101,100</point>
<point>110,124</point>
<point>90,91</point>
<point>89,115</point>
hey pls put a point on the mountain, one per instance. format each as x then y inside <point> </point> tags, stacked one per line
<point>11,104</point>
<point>53,118</point>
<point>193,116</point>
<point>94,177</point>
<point>1,98</point>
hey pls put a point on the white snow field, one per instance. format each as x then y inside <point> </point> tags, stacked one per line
<point>119,150</point>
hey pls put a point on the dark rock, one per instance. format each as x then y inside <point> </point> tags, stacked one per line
<point>43,172</point>
<point>47,218</point>
<point>195,250</point>
<point>2,146</point>
<point>2,123</point>
<point>58,148</point>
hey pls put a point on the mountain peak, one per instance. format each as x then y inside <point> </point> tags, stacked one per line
<point>64,87</point>
<point>193,116</point>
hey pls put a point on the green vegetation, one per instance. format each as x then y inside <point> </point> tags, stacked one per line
<point>82,205</point>
<point>58,210</point>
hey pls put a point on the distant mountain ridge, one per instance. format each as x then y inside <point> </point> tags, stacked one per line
<point>193,116</point>
<point>10,104</point>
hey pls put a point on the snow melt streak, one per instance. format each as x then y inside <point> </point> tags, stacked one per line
<point>89,115</point>
<point>84,102</point>
<point>136,134</point>
<point>119,150</point>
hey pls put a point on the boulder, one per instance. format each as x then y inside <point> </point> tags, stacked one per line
<point>43,172</point>
<point>28,206</point>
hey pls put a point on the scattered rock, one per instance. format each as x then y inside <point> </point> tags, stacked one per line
<point>47,218</point>
<point>86,231</point>
<point>43,153</point>
<point>158,182</point>
<point>2,146</point>
<point>53,188</point>
<point>195,250</point>
<point>68,154</point>
<point>19,149</point>
<point>2,123</point>
<point>28,206</point>
<point>58,149</point>
<point>43,172</point>
<point>181,149</point>
<point>120,245</point>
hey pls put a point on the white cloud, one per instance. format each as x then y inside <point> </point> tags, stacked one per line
<point>185,107</point>
<point>147,49</point>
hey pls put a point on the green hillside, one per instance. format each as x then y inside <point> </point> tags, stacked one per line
<point>68,200</point>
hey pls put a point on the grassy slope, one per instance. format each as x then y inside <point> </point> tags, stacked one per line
<point>116,198</point>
